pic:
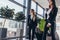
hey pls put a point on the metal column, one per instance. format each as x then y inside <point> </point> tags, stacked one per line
<point>36,7</point>
<point>22,30</point>
<point>43,13</point>
<point>28,12</point>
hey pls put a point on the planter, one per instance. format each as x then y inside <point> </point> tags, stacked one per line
<point>3,33</point>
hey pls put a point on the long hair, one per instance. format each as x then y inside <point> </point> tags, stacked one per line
<point>34,16</point>
<point>33,12</point>
<point>54,3</point>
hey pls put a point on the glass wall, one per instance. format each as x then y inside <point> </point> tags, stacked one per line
<point>26,2</point>
<point>20,1</point>
<point>33,5</point>
<point>14,26</point>
<point>12,5</point>
<point>11,25</point>
<point>40,10</point>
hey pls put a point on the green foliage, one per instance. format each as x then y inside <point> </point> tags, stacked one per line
<point>2,11</point>
<point>6,12</point>
<point>42,24</point>
<point>19,16</point>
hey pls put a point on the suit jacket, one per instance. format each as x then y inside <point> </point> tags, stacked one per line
<point>53,14</point>
<point>31,22</point>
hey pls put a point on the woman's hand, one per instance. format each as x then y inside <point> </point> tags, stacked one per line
<point>49,24</point>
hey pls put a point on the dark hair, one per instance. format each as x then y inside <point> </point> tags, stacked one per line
<point>54,3</point>
<point>33,11</point>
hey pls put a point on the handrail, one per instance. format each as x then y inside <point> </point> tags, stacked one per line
<point>40,15</point>
<point>14,37</point>
<point>17,3</point>
<point>38,4</point>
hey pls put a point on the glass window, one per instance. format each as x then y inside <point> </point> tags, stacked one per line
<point>33,5</point>
<point>11,5</point>
<point>11,25</point>
<point>20,1</point>
<point>40,11</point>
<point>26,2</point>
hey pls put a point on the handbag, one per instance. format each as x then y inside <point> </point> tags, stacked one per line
<point>37,30</point>
<point>42,24</point>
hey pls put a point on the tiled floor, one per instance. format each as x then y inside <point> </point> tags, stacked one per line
<point>49,37</point>
<point>58,32</point>
<point>28,39</point>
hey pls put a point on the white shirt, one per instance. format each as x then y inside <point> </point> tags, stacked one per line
<point>32,18</point>
<point>48,12</point>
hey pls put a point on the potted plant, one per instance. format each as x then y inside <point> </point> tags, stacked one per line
<point>6,13</point>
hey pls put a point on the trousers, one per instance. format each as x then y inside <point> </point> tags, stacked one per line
<point>31,37</point>
<point>52,31</point>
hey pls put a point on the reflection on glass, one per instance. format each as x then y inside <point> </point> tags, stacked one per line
<point>11,24</point>
<point>20,1</point>
<point>40,10</point>
<point>33,5</point>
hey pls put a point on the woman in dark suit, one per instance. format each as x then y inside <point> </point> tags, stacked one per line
<point>32,23</point>
<point>51,20</point>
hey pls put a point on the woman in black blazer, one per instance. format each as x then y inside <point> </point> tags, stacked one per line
<point>32,23</point>
<point>51,20</point>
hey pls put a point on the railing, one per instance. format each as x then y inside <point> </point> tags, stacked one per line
<point>17,3</point>
<point>13,37</point>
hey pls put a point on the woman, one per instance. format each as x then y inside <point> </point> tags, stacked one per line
<point>52,12</point>
<point>32,23</point>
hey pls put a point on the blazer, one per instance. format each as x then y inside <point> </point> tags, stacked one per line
<point>53,14</point>
<point>31,22</point>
